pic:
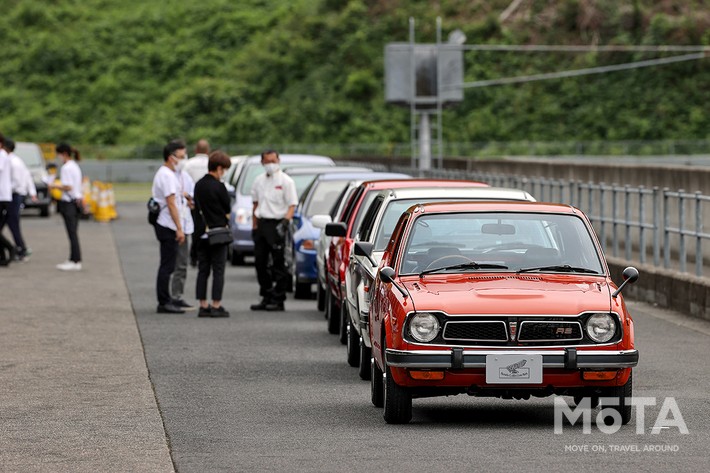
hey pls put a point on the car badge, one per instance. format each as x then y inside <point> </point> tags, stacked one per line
<point>513,330</point>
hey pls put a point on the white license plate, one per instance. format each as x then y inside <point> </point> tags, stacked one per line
<point>514,369</point>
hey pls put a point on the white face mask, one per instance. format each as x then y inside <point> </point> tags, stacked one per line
<point>271,168</point>
<point>180,165</point>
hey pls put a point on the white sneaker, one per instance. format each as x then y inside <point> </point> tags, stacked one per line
<point>69,266</point>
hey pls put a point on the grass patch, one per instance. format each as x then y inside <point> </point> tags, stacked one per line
<point>132,191</point>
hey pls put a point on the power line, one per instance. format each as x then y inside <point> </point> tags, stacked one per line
<point>580,72</point>
<point>583,49</point>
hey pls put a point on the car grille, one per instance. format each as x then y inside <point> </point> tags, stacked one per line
<point>549,331</point>
<point>492,331</point>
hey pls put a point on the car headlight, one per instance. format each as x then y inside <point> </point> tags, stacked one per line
<point>424,327</point>
<point>601,327</point>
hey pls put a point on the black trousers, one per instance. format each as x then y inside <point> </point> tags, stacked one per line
<point>168,256</point>
<point>70,213</point>
<point>7,249</point>
<point>273,279</point>
<point>214,258</point>
<point>13,221</point>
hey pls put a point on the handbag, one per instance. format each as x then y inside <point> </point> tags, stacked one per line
<point>219,235</point>
<point>153,211</point>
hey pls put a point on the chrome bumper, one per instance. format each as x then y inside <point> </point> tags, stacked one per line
<point>459,358</point>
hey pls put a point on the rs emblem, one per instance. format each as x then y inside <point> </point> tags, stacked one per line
<point>513,330</point>
<point>563,331</point>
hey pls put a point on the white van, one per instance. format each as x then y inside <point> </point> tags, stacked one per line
<point>31,154</point>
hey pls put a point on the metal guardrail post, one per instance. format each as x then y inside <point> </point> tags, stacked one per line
<point>627,216</point>
<point>614,220</point>
<point>642,227</point>
<point>601,215</point>
<point>657,228</point>
<point>682,257</point>
<point>698,235</point>
<point>666,231</point>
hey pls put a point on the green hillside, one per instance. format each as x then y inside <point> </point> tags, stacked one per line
<point>311,71</point>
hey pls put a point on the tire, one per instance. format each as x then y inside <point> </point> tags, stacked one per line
<point>237,259</point>
<point>302,291</point>
<point>622,393</point>
<point>397,400</point>
<point>365,371</point>
<point>332,313</point>
<point>344,317</point>
<point>353,344</point>
<point>44,211</point>
<point>321,298</point>
<point>376,385</point>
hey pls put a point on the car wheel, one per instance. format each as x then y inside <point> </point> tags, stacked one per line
<point>353,344</point>
<point>44,211</point>
<point>365,359</point>
<point>321,298</point>
<point>303,290</point>
<point>344,317</point>
<point>376,384</point>
<point>332,312</point>
<point>237,258</point>
<point>397,400</point>
<point>622,396</point>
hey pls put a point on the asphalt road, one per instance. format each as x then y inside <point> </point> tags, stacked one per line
<point>273,392</point>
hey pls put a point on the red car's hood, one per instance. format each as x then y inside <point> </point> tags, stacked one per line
<point>509,293</point>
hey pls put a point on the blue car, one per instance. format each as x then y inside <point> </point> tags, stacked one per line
<point>318,199</point>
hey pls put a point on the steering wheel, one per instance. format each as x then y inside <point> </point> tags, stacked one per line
<point>451,260</point>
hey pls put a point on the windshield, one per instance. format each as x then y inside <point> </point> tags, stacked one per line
<point>302,181</point>
<point>30,153</point>
<point>554,243</point>
<point>324,196</point>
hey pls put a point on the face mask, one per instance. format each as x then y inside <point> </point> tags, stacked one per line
<point>271,168</point>
<point>180,165</point>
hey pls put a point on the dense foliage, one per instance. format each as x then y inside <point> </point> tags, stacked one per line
<point>311,71</point>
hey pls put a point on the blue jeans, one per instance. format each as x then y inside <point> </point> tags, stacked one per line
<point>13,221</point>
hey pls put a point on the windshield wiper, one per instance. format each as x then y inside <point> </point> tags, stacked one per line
<point>471,265</point>
<point>562,268</point>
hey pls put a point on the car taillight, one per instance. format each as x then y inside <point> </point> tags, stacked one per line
<point>243,217</point>
<point>308,244</point>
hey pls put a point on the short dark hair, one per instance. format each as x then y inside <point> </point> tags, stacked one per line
<point>171,147</point>
<point>270,151</point>
<point>218,158</point>
<point>9,145</point>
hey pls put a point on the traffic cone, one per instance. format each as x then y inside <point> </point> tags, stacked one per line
<point>89,204</point>
<point>111,202</point>
<point>102,209</point>
<point>95,193</point>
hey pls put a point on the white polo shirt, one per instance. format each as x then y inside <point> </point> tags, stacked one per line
<point>274,194</point>
<point>22,181</point>
<point>70,175</point>
<point>196,166</point>
<point>5,177</point>
<point>186,185</point>
<point>165,184</point>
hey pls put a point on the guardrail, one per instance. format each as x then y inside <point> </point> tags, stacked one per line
<point>625,217</point>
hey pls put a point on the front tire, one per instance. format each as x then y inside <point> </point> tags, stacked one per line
<point>44,211</point>
<point>237,258</point>
<point>321,298</point>
<point>397,400</point>
<point>353,344</point>
<point>303,290</point>
<point>623,396</point>
<point>376,385</point>
<point>332,313</point>
<point>365,371</point>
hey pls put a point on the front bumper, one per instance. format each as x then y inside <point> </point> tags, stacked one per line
<point>460,358</point>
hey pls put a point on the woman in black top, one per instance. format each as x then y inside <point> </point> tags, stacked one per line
<point>213,204</point>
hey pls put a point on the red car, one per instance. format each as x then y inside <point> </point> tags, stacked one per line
<point>506,299</point>
<point>344,230</point>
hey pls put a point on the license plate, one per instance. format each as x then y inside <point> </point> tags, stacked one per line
<point>514,369</point>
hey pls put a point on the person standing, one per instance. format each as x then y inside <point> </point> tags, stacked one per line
<point>212,204</point>
<point>22,186</point>
<point>168,228</point>
<point>275,199</point>
<point>7,250</point>
<point>71,203</point>
<point>196,166</point>
<point>185,196</point>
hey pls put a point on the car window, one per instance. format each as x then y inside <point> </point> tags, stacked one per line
<point>250,173</point>
<point>323,197</point>
<point>515,240</point>
<point>30,153</point>
<point>366,201</point>
<point>302,182</point>
<point>389,219</point>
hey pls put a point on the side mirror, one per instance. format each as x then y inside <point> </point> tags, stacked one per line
<point>320,221</point>
<point>630,275</point>
<point>336,229</point>
<point>387,275</point>
<point>363,248</point>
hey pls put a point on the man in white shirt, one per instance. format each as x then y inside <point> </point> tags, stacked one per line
<point>22,186</point>
<point>71,202</point>
<point>168,228</point>
<point>7,250</point>
<point>275,199</point>
<point>186,198</point>
<point>196,166</point>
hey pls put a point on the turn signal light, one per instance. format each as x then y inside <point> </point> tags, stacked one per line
<point>427,375</point>
<point>599,375</point>
<point>308,245</point>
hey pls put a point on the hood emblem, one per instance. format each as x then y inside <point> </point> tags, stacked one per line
<point>513,326</point>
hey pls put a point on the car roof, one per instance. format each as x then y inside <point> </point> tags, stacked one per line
<point>297,158</point>
<point>401,183</point>
<point>497,206</point>
<point>361,176</point>
<point>488,193</point>
<point>322,170</point>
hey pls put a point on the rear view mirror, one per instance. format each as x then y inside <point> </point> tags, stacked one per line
<point>497,229</point>
<point>630,275</point>
<point>336,229</point>
<point>362,248</point>
<point>320,221</point>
